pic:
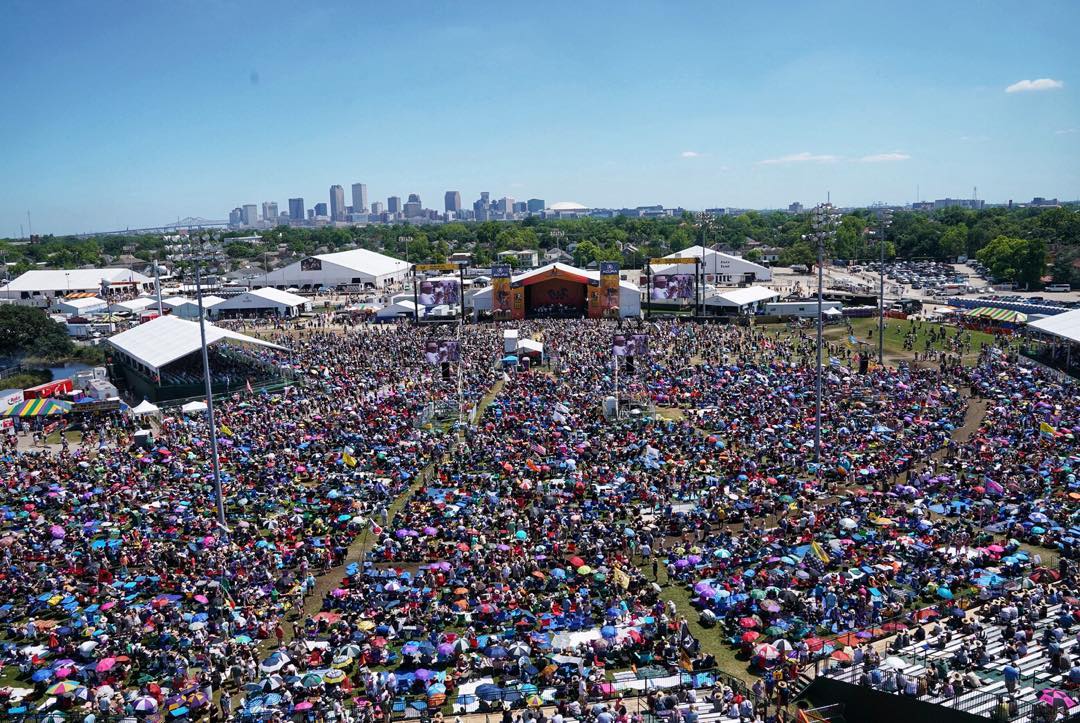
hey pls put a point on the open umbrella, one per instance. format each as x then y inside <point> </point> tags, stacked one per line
<point>1056,698</point>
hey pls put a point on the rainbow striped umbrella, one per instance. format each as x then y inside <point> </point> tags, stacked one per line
<point>38,408</point>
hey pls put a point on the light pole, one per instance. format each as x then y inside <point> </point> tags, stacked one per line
<point>885,218</point>
<point>209,393</point>
<point>405,240</point>
<point>822,218</point>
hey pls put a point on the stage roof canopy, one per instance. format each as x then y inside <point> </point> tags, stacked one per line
<point>163,340</point>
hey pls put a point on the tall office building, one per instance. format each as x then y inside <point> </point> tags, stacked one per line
<point>269,209</point>
<point>251,214</point>
<point>236,216</point>
<point>337,203</point>
<point>505,205</point>
<point>296,209</point>
<point>482,207</point>
<point>393,204</point>
<point>320,209</point>
<point>452,201</point>
<point>413,207</point>
<point>359,198</point>
<point>535,205</point>
<point>376,207</point>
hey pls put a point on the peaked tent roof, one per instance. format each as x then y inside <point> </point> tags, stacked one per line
<point>57,279</point>
<point>1064,326</point>
<point>704,254</point>
<point>165,339</point>
<point>369,262</point>
<point>742,297</point>
<point>278,296</point>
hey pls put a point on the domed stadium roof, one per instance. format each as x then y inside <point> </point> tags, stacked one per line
<point>567,206</point>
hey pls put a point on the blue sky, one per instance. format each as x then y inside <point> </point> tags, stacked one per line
<point>130,114</point>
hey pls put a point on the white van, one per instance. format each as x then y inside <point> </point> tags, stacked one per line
<point>1057,287</point>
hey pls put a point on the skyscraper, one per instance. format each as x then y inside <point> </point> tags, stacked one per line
<point>376,207</point>
<point>452,201</point>
<point>536,205</point>
<point>251,214</point>
<point>337,203</point>
<point>320,209</point>
<point>393,204</point>
<point>505,205</point>
<point>296,209</point>
<point>482,207</point>
<point>269,211</point>
<point>359,198</point>
<point>413,207</point>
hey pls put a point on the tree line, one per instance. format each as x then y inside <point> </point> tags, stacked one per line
<point>1021,244</point>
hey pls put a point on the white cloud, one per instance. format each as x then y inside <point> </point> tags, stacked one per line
<point>690,154</point>
<point>1026,86</point>
<point>804,157</point>
<point>885,157</point>
<point>1066,131</point>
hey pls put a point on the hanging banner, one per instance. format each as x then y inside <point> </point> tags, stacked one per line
<point>502,303</point>
<point>609,287</point>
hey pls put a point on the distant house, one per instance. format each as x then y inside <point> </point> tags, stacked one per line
<point>556,255</point>
<point>460,257</point>
<point>524,259</point>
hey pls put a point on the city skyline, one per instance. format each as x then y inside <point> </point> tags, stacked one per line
<point>623,106</point>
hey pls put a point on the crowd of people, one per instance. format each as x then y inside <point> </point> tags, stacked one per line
<point>374,562</point>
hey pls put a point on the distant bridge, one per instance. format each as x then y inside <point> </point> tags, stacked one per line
<point>185,224</point>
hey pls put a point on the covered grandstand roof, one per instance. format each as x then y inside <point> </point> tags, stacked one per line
<point>165,339</point>
<point>1064,326</point>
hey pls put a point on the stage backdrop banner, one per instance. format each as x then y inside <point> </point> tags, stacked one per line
<point>502,302</point>
<point>609,286</point>
<point>518,294</point>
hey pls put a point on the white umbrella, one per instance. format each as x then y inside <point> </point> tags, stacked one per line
<point>894,663</point>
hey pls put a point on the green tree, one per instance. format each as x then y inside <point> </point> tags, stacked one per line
<point>1010,258</point>
<point>799,253</point>
<point>753,255</point>
<point>954,241</point>
<point>27,331</point>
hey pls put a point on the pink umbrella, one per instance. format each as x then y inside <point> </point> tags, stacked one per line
<point>304,705</point>
<point>105,665</point>
<point>202,599</point>
<point>57,532</point>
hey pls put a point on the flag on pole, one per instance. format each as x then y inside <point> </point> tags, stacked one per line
<point>1047,429</point>
<point>247,383</point>
<point>225,429</point>
<point>819,552</point>
<point>348,459</point>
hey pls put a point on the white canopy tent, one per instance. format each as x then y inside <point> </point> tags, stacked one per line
<point>193,407</point>
<point>144,408</point>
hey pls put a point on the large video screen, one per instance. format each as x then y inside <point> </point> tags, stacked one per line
<point>437,351</point>
<point>630,345</point>
<point>669,287</point>
<point>437,292</point>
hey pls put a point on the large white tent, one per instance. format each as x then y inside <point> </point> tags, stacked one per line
<point>356,267</point>
<point>163,340</point>
<point>718,268</point>
<point>745,300</point>
<point>263,301</point>
<point>37,286</point>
